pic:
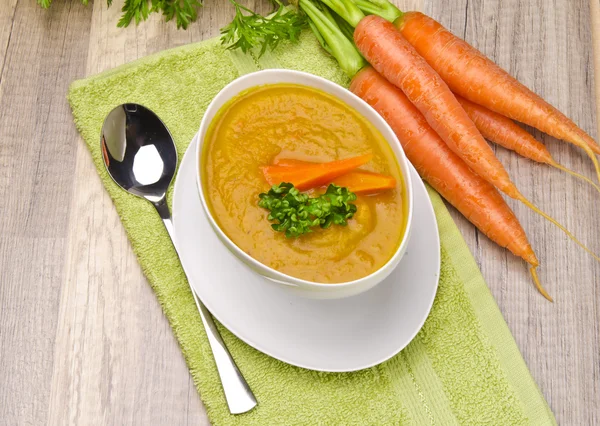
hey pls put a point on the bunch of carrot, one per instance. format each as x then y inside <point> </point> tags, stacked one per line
<point>441,97</point>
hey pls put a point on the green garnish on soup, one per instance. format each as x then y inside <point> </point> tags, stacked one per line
<point>296,213</point>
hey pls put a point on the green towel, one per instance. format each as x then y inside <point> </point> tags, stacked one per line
<point>462,368</point>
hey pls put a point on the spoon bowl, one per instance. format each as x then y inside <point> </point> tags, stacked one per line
<point>138,151</point>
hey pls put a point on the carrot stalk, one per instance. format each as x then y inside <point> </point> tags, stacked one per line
<point>357,181</point>
<point>505,132</point>
<point>313,175</point>
<point>381,8</point>
<point>332,38</point>
<point>345,9</point>
<point>473,76</point>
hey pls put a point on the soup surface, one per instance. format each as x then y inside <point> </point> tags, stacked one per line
<point>278,121</point>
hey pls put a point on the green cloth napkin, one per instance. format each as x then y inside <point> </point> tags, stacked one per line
<point>462,368</point>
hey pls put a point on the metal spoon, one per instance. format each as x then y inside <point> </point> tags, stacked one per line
<point>140,156</point>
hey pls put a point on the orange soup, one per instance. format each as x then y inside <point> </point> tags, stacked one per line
<point>287,121</point>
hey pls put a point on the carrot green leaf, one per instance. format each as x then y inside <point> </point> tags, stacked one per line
<point>249,29</point>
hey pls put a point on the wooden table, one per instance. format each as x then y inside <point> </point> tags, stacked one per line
<point>82,337</point>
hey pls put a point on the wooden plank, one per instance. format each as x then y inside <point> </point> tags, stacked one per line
<point>41,53</point>
<point>7,14</point>
<point>547,46</point>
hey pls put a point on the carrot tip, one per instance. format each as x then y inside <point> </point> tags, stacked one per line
<point>538,285</point>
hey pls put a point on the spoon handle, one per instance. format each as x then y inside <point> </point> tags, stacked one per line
<point>240,398</point>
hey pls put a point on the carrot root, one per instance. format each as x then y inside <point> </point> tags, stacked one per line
<point>538,285</point>
<point>575,174</point>
<point>533,207</point>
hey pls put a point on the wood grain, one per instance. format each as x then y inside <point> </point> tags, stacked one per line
<point>82,337</point>
<point>42,53</point>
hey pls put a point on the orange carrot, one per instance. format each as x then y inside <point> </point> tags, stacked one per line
<point>313,175</point>
<point>471,195</point>
<point>361,182</point>
<point>357,181</point>
<point>505,132</point>
<point>393,56</point>
<point>473,76</point>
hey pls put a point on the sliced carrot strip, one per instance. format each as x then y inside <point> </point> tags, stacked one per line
<point>313,175</point>
<point>357,181</point>
<point>361,182</point>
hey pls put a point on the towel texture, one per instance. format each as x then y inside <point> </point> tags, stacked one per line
<point>462,368</point>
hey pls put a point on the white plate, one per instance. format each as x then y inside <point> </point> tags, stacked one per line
<point>327,335</point>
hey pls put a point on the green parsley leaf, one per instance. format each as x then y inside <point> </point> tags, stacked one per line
<point>249,29</point>
<point>296,213</point>
<point>184,11</point>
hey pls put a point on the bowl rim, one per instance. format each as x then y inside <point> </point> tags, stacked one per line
<point>282,278</point>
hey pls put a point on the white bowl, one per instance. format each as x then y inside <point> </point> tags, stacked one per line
<point>307,288</point>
